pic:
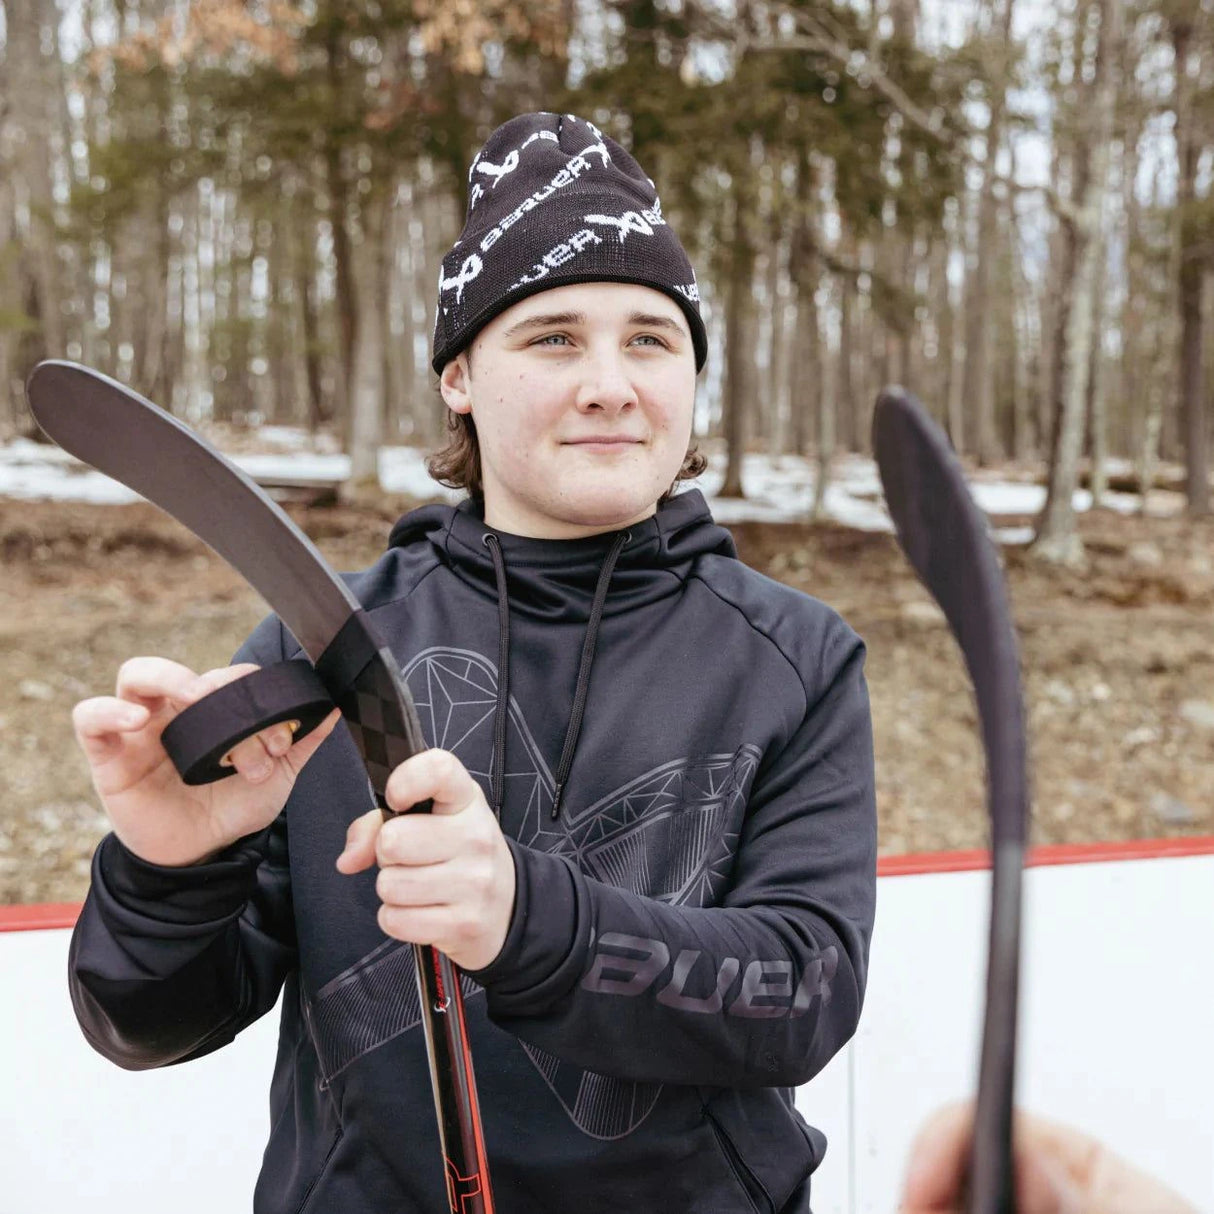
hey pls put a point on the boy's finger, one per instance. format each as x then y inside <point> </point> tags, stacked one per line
<point>151,678</point>
<point>251,758</point>
<point>100,721</point>
<point>359,852</point>
<point>435,775</point>
<point>256,757</point>
<point>299,752</point>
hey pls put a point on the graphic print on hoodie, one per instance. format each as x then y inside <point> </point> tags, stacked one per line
<point>680,812</point>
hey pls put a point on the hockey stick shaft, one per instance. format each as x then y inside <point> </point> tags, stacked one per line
<point>944,536</point>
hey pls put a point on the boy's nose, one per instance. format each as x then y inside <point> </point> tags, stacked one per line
<point>606,384</point>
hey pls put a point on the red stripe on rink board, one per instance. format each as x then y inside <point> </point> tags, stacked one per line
<point>38,916</point>
<point>917,864</point>
<point>47,916</point>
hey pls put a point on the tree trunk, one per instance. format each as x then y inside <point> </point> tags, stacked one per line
<point>154,329</point>
<point>1192,404</point>
<point>845,405</point>
<point>1050,313</point>
<point>339,219</point>
<point>739,339</point>
<point>979,382</point>
<point>11,408</point>
<point>282,340</point>
<point>1098,435</point>
<point>34,109</point>
<point>937,386</point>
<point>432,235</point>
<point>309,313</point>
<point>402,360</point>
<point>805,367</point>
<point>1021,307</point>
<point>829,406</point>
<point>1057,536</point>
<point>773,396</point>
<point>955,353</point>
<point>367,382</point>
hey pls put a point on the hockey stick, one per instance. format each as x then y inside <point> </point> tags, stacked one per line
<point>944,536</point>
<point>128,438</point>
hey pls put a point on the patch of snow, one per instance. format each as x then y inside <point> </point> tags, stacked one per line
<point>64,482</point>
<point>1012,536</point>
<point>1006,497</point>
<point>289,438</point>
<point>403,470</point>
<point>24,451</point>
<point>304,465</point>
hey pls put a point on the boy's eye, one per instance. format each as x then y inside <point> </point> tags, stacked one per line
<point>551,337</point>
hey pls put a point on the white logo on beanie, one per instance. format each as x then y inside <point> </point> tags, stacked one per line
<point>585,122</point>
<point>631,221</point>
<point>498,171</point>
<point>467,272</point>
<point>597,149</point>
<point>557,256</point>
<point>540,135</point>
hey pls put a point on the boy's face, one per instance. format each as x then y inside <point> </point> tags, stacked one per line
<point>582,398</point>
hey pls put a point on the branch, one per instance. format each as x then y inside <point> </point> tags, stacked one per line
<point>819,36</point>
<point>1064,208</point>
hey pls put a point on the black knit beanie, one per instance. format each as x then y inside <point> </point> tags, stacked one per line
<point>553,201</point>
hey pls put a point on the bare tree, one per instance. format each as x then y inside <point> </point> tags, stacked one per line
<point>806,393</point>
<point>1187,52</point>
<point>978,390</point>
<point>34,108</point>
<point>1057,537</point>
<point>366,429</point>
<point>739,333</point>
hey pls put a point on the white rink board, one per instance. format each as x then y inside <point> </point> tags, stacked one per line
<point>1116,1038</point>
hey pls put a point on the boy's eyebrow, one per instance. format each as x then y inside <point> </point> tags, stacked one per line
<point>546,320</point>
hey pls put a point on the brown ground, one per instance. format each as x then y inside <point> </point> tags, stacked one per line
<point>1119,665</point>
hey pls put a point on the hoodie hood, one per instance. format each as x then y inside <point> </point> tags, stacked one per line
<point>555,580</point>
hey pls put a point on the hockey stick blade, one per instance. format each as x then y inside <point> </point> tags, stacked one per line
<point>117,431</point>
<point>944,536</point>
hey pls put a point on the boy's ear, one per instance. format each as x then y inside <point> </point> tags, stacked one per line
<point>453,383</point>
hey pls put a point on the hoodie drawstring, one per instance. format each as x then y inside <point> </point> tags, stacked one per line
<point>581,693</point>
<point>501,711</point>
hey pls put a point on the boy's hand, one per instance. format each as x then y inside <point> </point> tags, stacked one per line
<point>156,815</point>
<point>445,878</point>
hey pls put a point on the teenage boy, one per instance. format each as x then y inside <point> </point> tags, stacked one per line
<point>653,842</point>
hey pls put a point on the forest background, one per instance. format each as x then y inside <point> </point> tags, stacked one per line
<point>1006,205</point>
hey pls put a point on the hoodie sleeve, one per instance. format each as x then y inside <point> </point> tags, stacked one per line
<point>168,964</point>
<point>761,990</point>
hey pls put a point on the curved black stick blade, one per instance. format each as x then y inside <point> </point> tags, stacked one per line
<point>945,538</point>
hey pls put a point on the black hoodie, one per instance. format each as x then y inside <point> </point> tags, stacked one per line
<point>691,926</point>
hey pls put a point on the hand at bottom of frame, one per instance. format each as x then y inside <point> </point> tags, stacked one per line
<point>1059,1170</point>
